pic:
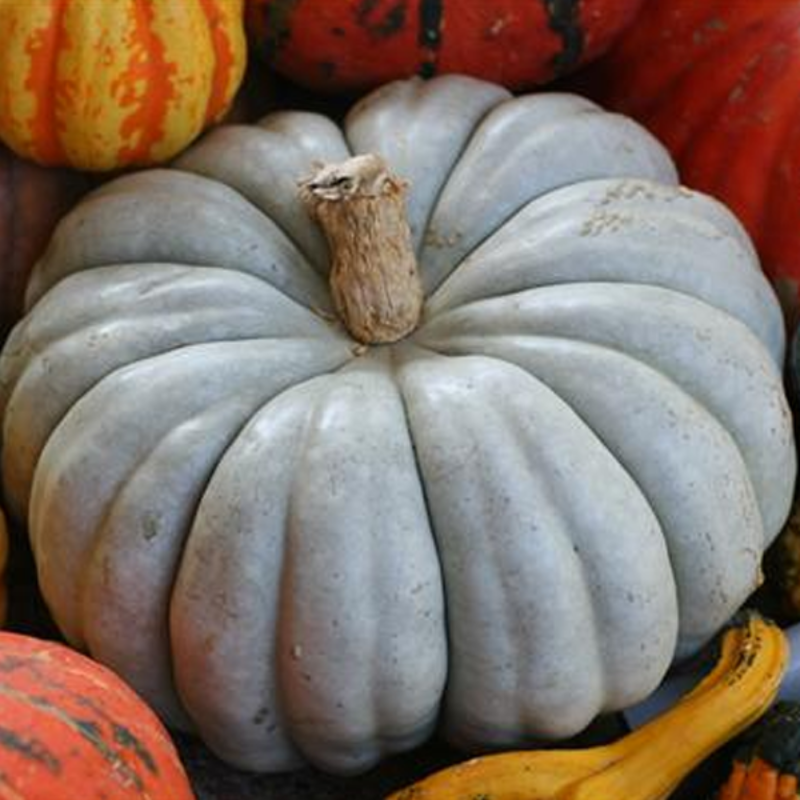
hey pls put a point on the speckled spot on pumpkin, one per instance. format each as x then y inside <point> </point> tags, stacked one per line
<point>124,737</point>
<point>385,25</point>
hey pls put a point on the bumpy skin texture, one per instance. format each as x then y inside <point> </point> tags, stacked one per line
<point>341,45</point>
<point>71,728</point>
<point>510,521</point>
<point>717,83</point>
<point>32,200</point>
<point>99,85</point>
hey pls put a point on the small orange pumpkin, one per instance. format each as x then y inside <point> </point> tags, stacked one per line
<point>352,45</point>
<point>101,84</point>
<point>70,728</point>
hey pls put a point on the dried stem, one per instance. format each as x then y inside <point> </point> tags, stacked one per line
<point>374,280</point>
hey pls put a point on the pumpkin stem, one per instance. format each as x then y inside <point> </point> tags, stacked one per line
<point>360,207</point>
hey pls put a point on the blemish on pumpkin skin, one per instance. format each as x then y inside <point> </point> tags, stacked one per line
<point>496,28</point>
<point>30,749</point>
<point>125,738</point>
<point>276,23</point>
<point>390,23</point>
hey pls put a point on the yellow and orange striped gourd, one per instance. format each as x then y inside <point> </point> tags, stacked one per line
<point>102,84</point>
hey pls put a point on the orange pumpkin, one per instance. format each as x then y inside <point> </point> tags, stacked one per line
<point>352,45</point>
<point>32,200</point>
<point>70,728</point>
<point>100,84</point>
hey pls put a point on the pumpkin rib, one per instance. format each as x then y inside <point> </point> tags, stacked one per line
<point>17,386</point>
<point>228,70</point>
<point>501,528</point>
<point>151,673</point>
<point>199,201</point>
<point>154,73</point>
<point>204,164</point>
<point>45,124</point>
<point>465,345</point>
<point>462,219</point>
<point>442,187</point>
<point>477,321</point>
<point>387,671</point>
<point>472,112</point>
<point>54,473</point>
<point>618,444</point>
<point>441,195</point>
<point>201,646</point>
<point>554,219</point>
<point>175,712</point>
<point>300,476</point>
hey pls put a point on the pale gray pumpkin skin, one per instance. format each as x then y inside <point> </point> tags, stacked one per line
<point>511,521</point>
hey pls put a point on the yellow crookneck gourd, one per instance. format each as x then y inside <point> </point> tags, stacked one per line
<point>644,765</point>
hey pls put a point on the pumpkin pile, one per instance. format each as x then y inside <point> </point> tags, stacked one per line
<point>453,412</point>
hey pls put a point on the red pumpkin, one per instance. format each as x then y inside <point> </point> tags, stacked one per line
<point>70,729</point>
<point>32,200</point>
<point>346,45</point>
<point>719,83</point>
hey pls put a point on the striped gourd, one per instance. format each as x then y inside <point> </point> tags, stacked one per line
<point>100,84</point>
